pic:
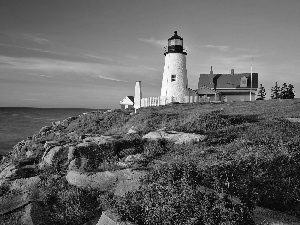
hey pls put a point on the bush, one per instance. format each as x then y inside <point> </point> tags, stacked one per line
<point>66,204</point>
<point>170,195</point>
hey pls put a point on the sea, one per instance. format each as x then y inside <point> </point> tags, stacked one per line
<point>18,123</point>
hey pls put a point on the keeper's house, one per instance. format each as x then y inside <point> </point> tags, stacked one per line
<point>228,87</point>
<point>127,102</point>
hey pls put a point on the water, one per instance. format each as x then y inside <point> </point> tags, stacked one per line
<point>18,123</point>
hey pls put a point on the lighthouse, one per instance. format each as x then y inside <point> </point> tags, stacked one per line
<point>175,82</point>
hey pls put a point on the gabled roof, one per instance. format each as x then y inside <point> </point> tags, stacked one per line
<point>206,90</point>
<point>131,98</point>
<point>190,89</point>
<point>219,81</point>
<point>128,100</point>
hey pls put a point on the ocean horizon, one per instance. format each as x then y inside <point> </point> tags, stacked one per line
<point>18,123</point>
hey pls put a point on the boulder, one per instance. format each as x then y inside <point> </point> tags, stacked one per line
<point>8,172</point>
<point>103,181</point>
<point>111,218</point>
<point>45,129</point>
<point>48,145</point>
<point>175,136</point>
<point>120,181</point>
<point>67,121</point>
<point>134,158</point>
<point>99,140</point>
<point>86,150</point>
<point>55,154</point>
<point>35,214</point>
<point>71,153</point>
<point>21,193</point>
<point>57,123</point>
<point>30,154</point>
<point>30,214</point>
<point>128,180</point>
<point>83,164</point>
<point>25,184</point>
<point>267,216</point>
<point>94,220</point>
<point>293,120</point>
<point>132,130</point>
<point>10,202</point>
<point>73,136</point>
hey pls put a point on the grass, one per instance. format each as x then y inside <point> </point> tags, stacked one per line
<point>251,152</point>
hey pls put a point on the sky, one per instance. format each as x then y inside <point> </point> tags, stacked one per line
<point>88,54</point>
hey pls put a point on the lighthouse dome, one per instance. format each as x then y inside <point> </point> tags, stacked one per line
<point>175,44</point>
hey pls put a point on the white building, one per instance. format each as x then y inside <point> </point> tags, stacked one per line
<point>127,102</point>
<point>175,82</point>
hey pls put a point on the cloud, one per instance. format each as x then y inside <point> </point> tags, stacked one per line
<point>31,99</point>
<point>34,38</point>
<point>228,49</point>
<point>40,75</point>
<point>48,46</point>
<point>222,48</point>
<point>94,56</point>
<point>149,68</point>
<point>41,66</point>
<point>153,41</point>
<point>34,49</point>
<point>113,79</point>
<point>31,37</point>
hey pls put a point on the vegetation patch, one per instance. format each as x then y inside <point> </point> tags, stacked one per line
<point>171,195</point>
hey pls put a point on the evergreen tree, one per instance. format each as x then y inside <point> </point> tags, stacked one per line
<point>275,91</point>
<point>261,93</point>
<point>290,90</point>
<point>284,92</point>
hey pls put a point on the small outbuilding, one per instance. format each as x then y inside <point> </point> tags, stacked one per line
<point>127,102</point>
<point>213,95</point>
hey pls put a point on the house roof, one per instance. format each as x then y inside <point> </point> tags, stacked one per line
<point>128,100</point>
<point>131,98</point>
<point>206,90</point>
<point>219,81</point>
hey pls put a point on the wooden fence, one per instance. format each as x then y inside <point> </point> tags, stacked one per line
<point>157,101</point>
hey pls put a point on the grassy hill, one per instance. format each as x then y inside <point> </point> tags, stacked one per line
<point>251,157</point>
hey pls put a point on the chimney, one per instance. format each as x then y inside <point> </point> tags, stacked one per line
<point>211,76</point>
<point>137,95</point>
<point>232,71</point>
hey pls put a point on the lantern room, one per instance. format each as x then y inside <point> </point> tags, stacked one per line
<point>175,44</point>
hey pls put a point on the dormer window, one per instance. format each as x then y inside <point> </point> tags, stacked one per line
<point>173,78</point>
<point>243,82</point>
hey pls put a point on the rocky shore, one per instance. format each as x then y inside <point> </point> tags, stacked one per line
<point>70,155</point>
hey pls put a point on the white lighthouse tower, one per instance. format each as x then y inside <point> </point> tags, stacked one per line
<point>175,82</point>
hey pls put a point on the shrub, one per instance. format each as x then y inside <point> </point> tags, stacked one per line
<point>170,195</point>
<point>204,123</point>
<point>153,149</point>
<point>66,204</point>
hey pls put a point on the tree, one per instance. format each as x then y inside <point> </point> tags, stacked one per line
<point>261,93</point>
<point>275,92</point>
<point>284,91</point>
<point>290,90</point>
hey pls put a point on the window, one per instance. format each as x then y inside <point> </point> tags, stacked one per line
<point>243,82</point>
<point>173,78</point>
<point>178,42</point>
